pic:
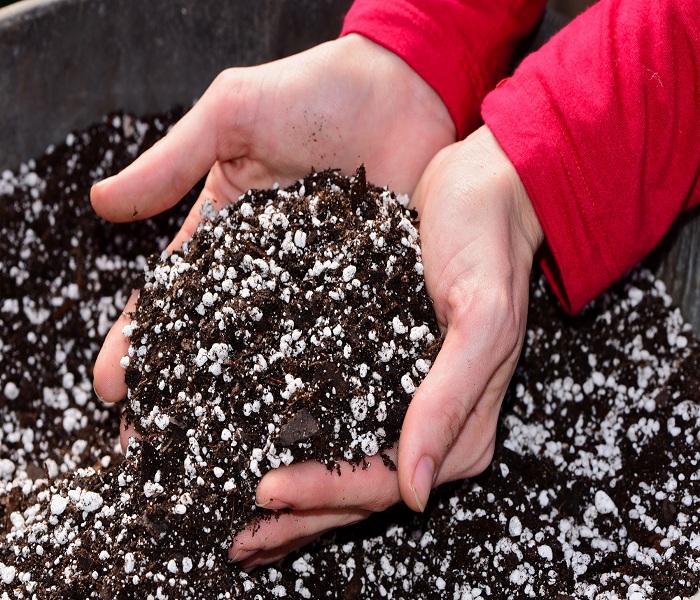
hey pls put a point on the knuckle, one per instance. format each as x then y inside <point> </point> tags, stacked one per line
<point>453,414</point>
<point>226,78</point>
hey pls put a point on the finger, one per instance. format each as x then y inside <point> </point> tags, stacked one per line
<point>282,530</point>
<point>108,373</point>
<point>438,412</point>
<point>310,485</point>
<point>163,174</point>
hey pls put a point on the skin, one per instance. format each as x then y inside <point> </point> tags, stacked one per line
<point>478,229</point>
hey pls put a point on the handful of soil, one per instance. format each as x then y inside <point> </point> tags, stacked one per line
<point>295,325</point>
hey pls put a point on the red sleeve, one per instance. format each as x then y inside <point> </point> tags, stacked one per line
<point>603,126</point>
<point>460,48</point>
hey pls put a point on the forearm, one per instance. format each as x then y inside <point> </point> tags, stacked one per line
<point>603,127</point>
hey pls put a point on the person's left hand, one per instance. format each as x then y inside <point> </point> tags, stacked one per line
<point>479,234</point>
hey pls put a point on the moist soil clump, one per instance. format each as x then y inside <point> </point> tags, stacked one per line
<point>237,365</point>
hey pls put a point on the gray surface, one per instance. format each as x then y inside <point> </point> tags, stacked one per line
<point>677,263</point>
<point>65,63</point>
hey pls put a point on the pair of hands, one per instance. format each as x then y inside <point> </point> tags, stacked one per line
<point>337,105</point>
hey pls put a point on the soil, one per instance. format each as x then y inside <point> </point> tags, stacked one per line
<point>284,332</point>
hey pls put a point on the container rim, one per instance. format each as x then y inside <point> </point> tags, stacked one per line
<point>20,10</point>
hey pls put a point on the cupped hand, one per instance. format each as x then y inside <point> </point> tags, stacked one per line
<point>337,105</point>
<point>479,234</point>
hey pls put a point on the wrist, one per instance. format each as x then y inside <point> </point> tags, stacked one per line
<point>410,94</point>
<point>523,216</point>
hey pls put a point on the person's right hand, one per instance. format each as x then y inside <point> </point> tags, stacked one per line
<point>479,235</point>
<point>337,105</point>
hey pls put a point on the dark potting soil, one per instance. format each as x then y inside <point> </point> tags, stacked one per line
<point>278,335</point>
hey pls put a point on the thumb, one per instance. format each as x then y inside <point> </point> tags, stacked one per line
<point>166,172</point>
<point>439,413</point>
<point>163,174</point>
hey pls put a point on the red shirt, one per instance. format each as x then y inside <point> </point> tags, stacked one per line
<point>602,123</point>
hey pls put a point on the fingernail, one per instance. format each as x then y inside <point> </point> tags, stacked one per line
<point>272,504</point>
<point>94,389</point>
<point>102,181</point>
<point>242,555</point>
<point>422,483</point>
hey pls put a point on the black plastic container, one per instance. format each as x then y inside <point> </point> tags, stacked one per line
<point>66,63</point>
